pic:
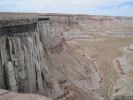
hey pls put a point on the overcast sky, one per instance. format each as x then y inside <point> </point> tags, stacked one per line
<point>93,7</point>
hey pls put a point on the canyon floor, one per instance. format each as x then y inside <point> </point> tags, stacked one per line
<point>103,51</point>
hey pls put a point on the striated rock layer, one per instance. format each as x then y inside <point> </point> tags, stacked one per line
<point>36,58</point>
<point>123,89</point>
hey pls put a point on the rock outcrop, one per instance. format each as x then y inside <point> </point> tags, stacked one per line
<point>123,88</point>
<point>7,95</point>
<point>36,58</point>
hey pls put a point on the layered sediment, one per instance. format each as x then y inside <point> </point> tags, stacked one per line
<point>36,58</point>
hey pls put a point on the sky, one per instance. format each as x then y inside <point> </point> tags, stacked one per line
<point>91,7</point>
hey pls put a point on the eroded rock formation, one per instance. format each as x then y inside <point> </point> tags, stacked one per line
<point>123,88</point>
<point>36,58</point>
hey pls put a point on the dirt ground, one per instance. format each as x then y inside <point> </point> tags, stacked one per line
<point>103,52</point>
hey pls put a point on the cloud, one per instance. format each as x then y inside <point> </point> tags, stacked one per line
<point>68,6</point>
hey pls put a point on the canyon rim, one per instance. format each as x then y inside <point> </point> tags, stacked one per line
<point>65,57</point>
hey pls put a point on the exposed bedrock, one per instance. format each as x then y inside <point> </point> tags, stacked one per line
<point>84,26</point>
<point>8,95</point>
<point>35,58</point>
<point>123,88</point>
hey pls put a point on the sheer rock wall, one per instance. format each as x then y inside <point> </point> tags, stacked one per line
<point>35,56</point>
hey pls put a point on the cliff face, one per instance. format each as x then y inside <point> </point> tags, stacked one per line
<point>83,26</point>
<point>36,58</point>
<point>22,57</point>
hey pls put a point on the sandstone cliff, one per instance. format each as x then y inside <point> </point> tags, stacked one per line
<point>35,56</point>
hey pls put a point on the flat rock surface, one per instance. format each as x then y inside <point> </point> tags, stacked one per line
<point>7,95</point>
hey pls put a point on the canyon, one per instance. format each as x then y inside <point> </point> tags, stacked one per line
<point>65,57</point>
